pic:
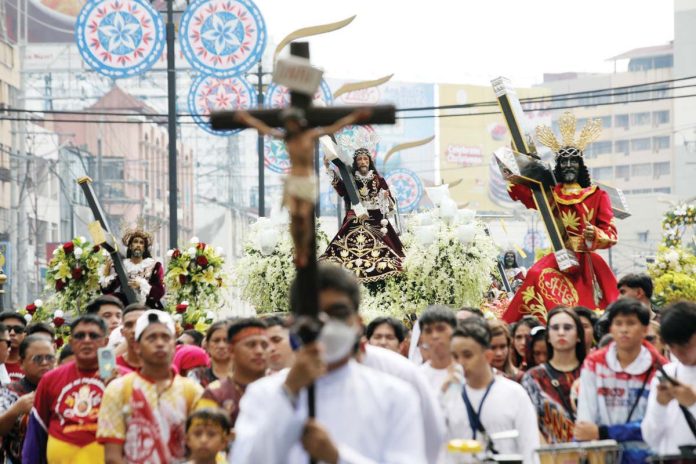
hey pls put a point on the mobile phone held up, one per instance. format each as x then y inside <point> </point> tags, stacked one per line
<point>107,362</point>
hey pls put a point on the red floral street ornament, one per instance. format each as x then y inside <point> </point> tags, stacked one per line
<point>176,253</point>
<point>60,285</point>
<point>68,247</point>
<point>181,308</point>
<point>31,308</point>
<point>201,246</point>
<point>58,321</point>
<point>77,273</point>
<point>202,261</point>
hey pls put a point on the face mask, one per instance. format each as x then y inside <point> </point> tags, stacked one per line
<point>338,339</point>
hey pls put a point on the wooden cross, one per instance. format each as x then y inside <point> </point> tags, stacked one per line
<point>102,236</point>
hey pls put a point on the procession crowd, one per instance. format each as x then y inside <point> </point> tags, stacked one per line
<point>240,392</point>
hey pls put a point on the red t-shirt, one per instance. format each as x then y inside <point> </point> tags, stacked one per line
<point>67,402</point>
<point>14,370</point>
<point>125,365</point>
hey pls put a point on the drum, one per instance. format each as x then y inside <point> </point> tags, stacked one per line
<point>592,452</point>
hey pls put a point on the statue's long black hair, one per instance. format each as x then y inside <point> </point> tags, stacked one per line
<point>372,163</point>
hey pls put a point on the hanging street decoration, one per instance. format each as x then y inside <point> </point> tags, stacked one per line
<point>119,38</point>
<point>407,187</point>
<point>210,94</point>
<point>275,157</point>
<point>223,38</point>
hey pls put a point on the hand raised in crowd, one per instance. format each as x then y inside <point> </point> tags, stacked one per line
<point>24,404</point>
<point>684,394</point>
<point>307,368</point>
<point>585,431</point>
<point>318,444</point>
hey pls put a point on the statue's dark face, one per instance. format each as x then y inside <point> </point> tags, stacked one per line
<point>570,168</point>
<point>509,259</point>
<point>363,163</point>
<point>137,247</point>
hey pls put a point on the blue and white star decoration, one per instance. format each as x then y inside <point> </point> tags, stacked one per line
<point>119,38</point>
<point>276,157</point>
<point>406,187</point>
<point>222,38</point>
<point>209,93</point>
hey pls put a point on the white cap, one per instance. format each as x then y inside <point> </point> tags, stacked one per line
<point>153,316</point>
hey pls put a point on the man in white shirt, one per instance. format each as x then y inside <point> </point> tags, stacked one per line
<point>487,404</point>
<point>437,323</point>
<point>665,426</point>
<point>362,415</point>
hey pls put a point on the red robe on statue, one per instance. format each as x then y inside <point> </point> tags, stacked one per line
<point>593,284</point>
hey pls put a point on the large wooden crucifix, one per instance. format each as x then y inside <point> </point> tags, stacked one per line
<point>512,163</point>
<point>102,235</point>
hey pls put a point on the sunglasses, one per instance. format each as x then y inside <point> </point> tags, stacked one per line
<point>650,338</point>
<point>18,329</point>
<point>43,358</point>
<point>84,335</point>
<point>565,327</point>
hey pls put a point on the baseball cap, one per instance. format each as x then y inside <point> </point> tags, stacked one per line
<point>153,316</point>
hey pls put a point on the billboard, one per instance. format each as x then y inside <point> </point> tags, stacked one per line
<point>467,142</point>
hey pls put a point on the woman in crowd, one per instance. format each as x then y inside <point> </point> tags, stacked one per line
<point>520,332</point>
<point>501,343</point>
<point>588,319</point>
<point>549,384</point>
<point>219,351</point>
<point>535,351</point>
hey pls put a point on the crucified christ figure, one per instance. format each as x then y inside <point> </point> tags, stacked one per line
<point>300,193</point>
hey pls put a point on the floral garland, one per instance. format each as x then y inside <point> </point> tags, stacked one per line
<point>194,280</point>
<point>451,266</point>
<point>674,275</point>
<point>38,312</point>
<point>73,276</point>
<point>674,222</point>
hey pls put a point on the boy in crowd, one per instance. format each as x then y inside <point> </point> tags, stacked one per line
<point>487,403</point>
<point>614,382</point>
<point>669,419</point>
<point>437,324</point>
<point>207,433</point>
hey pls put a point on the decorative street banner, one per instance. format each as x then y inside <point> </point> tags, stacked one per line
<point>276,158</point>
<point>119,38</point>
<point>407,187</point>
<point>223,38</point>
<point>209,93</point>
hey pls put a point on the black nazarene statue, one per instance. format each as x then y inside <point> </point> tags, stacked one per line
<point>366,243</point>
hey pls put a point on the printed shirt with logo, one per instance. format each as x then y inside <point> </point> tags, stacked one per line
<point>15,371</point>
<point>149,425</point>
<point>555,421</point>
<point>67,403</point>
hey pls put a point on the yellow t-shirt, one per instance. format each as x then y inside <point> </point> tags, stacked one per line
<point>124,419</point>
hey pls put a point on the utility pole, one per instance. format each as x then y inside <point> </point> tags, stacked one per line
<point>260,140</point>
<point>171,124</point>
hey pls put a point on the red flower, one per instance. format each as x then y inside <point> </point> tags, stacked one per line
<point>31,308</point>
<point>182,279</point>
<point>202,261</point>
<point>60,285</point>
<point>58,321</point>
<point>59,342</point>
<point>96,248</point>
<point>68,247</point>
<point>176,253</point>
<point>201,246</point>
<point>181,308</point>
<point>77,273</point>
<point>188,326</point>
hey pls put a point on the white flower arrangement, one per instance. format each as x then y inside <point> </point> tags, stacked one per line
<point>447,263</point>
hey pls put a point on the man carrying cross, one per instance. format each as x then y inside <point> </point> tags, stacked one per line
<point>300,191</point>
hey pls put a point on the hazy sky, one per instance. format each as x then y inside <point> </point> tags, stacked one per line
<point>471,41</point>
